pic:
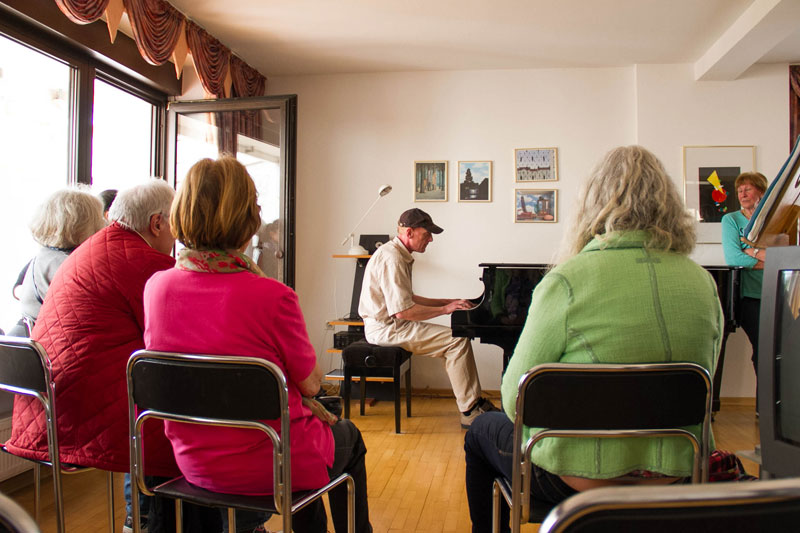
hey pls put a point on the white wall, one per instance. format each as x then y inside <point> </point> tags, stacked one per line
<point>357,132</point>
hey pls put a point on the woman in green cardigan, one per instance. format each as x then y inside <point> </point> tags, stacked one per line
<point>625,291</point>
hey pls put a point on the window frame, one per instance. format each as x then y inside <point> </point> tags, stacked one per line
<point>85,67</point>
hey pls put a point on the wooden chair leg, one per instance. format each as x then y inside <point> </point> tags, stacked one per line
<point>348,375</point>
<point>363,386</point>
<point>396,387</point>
<point>231,520</point>
<point>178,516</point>
<point>408,389</point>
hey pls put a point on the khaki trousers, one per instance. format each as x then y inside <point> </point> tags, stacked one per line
<point>433,340</point>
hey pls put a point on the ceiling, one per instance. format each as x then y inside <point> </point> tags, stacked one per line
<point>723,38</point>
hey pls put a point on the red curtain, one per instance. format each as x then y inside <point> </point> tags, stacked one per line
<point>156,28</point>
<point>82,11</point>
<point>247,81</point>
<point>794,104</point>
<point>211,59</point>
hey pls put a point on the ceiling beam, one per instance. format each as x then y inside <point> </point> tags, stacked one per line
<point>762,26</point>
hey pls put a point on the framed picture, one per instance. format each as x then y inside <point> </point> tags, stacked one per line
<point>535,205</point>
<point>536,164</point>
<point>709,173</point>
<point>430,181</point>
<point>474,181</point>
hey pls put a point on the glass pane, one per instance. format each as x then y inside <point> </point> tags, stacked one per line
<point>787,359</point>
<point>121,138</point>
<point>256,143</point>
<point>34,134</point>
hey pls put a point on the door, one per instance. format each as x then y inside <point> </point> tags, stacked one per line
<point>261,134</point>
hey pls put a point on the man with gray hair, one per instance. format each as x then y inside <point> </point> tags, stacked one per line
<point>91,320</point>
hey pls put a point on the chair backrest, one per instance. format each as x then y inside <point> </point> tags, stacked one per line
<point>608,401</point>
<point>729,507</point>
<point>587,396</point>
<point>25,369</point>
<point>213,390</point>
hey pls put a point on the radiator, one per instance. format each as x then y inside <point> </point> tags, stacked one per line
<point>10,466</point>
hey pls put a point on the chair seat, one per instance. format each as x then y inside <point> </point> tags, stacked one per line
<point>361,353</point>
<point>179,488</point>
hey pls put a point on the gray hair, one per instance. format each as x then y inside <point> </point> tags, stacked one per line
<point>67,218</point>
<point>132,208</point>
<point>630,190</point>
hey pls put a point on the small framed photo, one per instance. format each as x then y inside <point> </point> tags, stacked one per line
<point>535,205</point>
<point>709,173</point>
<point>430,181</point>
<point>536,164</point>
<point>474,181</point>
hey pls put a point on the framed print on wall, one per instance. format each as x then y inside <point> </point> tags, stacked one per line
<point>474,181</point>
<point>430,181</point>
<point>535,205</point>
<point>536,164</point>
<point>709,173</point>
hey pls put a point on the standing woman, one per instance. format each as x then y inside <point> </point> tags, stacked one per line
<point>750,187</point>
<point>217,301</point>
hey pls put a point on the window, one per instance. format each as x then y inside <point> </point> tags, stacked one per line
<point>121,138</point>
<point>65,118</point>
<point>34,134</point>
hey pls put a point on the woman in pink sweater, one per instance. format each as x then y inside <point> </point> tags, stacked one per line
<point>217,301</point>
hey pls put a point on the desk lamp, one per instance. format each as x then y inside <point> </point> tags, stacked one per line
<point>356,249</point>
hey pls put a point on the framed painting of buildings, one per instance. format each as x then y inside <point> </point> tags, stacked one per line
<point>430,181</point>
<point>535,205</point>
<point>536,164</point>
<point>474,181</point>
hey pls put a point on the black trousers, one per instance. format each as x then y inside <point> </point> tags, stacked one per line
<point>348,457</point>
<point>750,318</point>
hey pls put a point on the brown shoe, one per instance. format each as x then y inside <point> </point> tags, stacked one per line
<point>481,406</point>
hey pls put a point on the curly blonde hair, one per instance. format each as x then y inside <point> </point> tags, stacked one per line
<point>630,190</point>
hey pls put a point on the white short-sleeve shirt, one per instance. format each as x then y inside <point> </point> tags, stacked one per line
<point>386,289</point>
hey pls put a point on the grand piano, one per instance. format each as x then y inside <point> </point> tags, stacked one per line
<point>500,312</point>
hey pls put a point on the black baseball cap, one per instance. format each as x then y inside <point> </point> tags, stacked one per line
<point>417,218</point>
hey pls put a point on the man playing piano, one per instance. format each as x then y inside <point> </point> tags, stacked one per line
<point>393,314</point>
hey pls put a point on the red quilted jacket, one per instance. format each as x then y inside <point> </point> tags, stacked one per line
<point>91,321</point>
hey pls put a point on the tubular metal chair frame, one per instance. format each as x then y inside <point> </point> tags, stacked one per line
<point>284,502</point>
<point>518,495</point>
<point>722,498</point>
<point>15,518</point>
<point>43,389</point>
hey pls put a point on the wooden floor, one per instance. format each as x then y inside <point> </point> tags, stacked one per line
<point>416,479</point>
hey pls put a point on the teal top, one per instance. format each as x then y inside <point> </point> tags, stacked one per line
<point>733,225</point>
<point>618,302</point>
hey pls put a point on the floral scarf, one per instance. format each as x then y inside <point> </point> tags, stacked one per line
<point>231,262</point>
<point>216,262</point>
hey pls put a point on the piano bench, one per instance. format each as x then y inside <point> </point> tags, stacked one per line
<point>364,360</point>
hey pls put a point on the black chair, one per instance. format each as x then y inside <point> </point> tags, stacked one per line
<point>14,518</point>
<point>731,507</point>
<point>586,401</point>
<point>222,391</point>
<point>25,369</point>
<point>370,360</point>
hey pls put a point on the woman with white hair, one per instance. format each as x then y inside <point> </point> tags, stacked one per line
<point>624,292</point>
<point>66,219</point>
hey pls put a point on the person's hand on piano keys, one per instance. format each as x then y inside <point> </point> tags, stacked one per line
<point>458,305</point>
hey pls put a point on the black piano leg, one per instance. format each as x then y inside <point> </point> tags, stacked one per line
<point>507,353</point>
<point>715,403</point>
